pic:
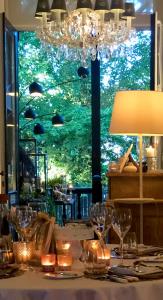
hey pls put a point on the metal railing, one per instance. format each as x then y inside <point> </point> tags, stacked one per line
<point>78,206</point>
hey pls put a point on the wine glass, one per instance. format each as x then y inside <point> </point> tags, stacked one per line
<point>108,220</point>
<point>121,222</point>
<point>24,216</point>
<point>101,219</point>
<point>130,244</point>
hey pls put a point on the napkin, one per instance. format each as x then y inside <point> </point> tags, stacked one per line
<point>142,272</point>
<point>155,261</point>
<point>142,250</point>
<point>149,250</point>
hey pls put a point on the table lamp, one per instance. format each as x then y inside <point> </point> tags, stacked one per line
<point>138,113</point>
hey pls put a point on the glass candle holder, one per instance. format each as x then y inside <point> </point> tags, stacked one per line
<point>7,256</point>
<point>23,251</point>
<point>64,262</point>
<point>103,255</point>
<point>94,261</point>
<point>92,245</point>
<point>63,247</point>
<point>48,262</point>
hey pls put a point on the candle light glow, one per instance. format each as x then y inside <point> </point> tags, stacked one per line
<point>23,251</point>
<point>93,245</point>
<point>103,255</point>
<point>64,262</point>
<point>48,262</point>
<point>63,247</point>
<point>8,256</point>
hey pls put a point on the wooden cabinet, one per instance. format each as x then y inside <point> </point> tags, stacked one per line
<point>126,185</point>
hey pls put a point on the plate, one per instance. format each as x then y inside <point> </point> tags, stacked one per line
<point>63,275</point>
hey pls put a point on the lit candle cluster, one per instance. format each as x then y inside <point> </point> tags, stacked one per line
<point>62,261</point>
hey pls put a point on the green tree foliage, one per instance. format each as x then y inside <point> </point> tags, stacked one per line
<point>128,69</point>
<point>69,147</point>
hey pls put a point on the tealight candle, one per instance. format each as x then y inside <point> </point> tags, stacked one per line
<point>103,255</point>
<point>48,262</point>
<point>63,247</point>
<point>64,262</point>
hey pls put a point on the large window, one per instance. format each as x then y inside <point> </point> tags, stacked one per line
<point>69,148</point>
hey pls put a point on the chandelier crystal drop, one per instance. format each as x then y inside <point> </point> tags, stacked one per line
<point>84,32</point>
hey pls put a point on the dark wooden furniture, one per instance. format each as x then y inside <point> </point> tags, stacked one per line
<point>126,185</point>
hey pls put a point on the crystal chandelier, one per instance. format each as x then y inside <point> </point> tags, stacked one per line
<point>85,32</point>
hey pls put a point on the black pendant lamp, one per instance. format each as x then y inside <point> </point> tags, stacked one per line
<point>29,114</point>
<point>58,6</point>
<point>102,5</point>
<point>117,6</point>
<point>42,7</point>
<point>38,129</point>
<point>129,11</point>
<point>84,5</point>
<point>35,89</point>
<point>57,120</point>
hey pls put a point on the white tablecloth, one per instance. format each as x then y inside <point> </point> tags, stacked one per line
<point>32,286</point>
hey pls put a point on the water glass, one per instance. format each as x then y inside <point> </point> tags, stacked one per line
<point>101,219</point>
<point>130,243</point>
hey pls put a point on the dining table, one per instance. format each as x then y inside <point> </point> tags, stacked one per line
<point>35,285</point>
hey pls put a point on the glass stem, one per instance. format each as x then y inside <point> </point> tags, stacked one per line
<point>121,247</point>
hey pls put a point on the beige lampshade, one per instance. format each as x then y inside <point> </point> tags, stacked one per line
<point>137,112</point>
